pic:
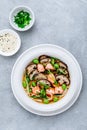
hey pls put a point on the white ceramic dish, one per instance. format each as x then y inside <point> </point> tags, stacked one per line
<point>4,31</point>
<point>14,13</point>
<point>64,103</point>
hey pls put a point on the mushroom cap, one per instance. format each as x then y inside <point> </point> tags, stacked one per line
<point>34,72</point>
<point>30,68</point>
<point>46,60</point>
<point>44,81</point>
<point>62,65</point>
<point>39,76</point>
<point>42,57</point>
<point>62,79</point>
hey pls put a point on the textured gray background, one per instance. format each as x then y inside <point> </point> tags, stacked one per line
<point>60,22</point>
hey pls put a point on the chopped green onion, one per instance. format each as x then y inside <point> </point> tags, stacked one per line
<point>60,71</point>
<point>22,19</point>
<point>46,86</point>
<point>43,93</point>
<point>36,96</point>
<point>28,79</point>
<point>30,90</point>
<point>48,71</point>
<point>55,82</point>
<point>41,83</point>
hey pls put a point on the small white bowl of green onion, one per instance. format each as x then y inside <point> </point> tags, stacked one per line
<point>21,18</point>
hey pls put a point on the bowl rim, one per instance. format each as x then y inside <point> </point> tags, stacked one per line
<point>11,21</point>
<point>19,42</point>
<point>55,112</point>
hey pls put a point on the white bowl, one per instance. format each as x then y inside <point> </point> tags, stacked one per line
<point>75,75</point>
<point>14,13</point>
<point>4,31</point>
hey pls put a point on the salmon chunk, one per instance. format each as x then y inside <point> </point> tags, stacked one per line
<point>50,91</point>
<point>59,90</point>
<point>49,67</point>
<point>36,90</point>
<point>40,68</point>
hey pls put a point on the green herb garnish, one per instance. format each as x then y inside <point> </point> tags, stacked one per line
<point>36,96</point>
<point>43,93</point>
<point>30,90</point>
<point>60,71</point>
<point>22,19</point>
<point>44,85</point>
<point>55,82</point>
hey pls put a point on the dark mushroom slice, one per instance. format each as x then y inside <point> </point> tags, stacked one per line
<point>46,60</point>
<point>42,57</point>
<point>39,76</point>
<point>62,79</point>
<point>44,81</point>
<point>35,72</point>
<point>62,65</point>
<point>30,68</point>
<point>66,72</point>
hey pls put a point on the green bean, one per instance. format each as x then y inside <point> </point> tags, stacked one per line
<point>33,84</point>
<point>56,66</point>
<point>24,84</point>
<point>35,61</point>
<point>46,101</point>
<point>64,86</point>
<point>55,99</point>
<point>43,93</point>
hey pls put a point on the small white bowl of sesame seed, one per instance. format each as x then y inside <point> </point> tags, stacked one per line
<point>10,42</point>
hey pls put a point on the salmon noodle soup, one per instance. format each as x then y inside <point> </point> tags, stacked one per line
<point>46,79</point>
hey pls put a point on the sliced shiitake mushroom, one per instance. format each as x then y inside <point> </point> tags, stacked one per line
<point>39,76</point>
<point>34,72</point>
<point>62,65</point>
<point>62,79</point>
<point>30,68</point>
<point>46,60</point>
<point>42,57</point>
<point>44,81</point>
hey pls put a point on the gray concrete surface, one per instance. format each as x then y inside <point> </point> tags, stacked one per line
<point>60,22</point>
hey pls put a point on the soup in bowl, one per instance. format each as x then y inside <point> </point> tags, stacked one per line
<point>46,79</point>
